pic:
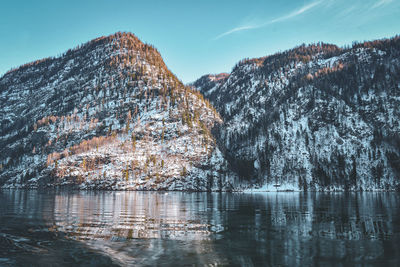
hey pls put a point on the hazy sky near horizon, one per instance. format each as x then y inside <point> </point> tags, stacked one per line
<point>194,37</point>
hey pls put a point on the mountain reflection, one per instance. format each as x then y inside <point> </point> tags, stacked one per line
<point>152,228</point>
<point>130,215</point>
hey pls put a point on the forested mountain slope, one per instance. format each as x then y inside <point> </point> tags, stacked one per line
<point>316,117</point>
<point>107,114</point>
<point>110,115</point>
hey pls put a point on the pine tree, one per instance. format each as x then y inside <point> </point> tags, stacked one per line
<point>128,119</point>
<point>84,164</point>
<point>184,171</point>
<point>133,142</point>
<point>127,174</point>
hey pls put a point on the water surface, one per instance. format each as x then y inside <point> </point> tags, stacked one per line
<point>39,228</point>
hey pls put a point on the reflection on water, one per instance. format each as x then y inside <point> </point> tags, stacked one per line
<point>150,228</point>
<point>134,215</point>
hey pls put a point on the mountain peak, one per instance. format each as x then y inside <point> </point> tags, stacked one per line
<point>119,44</point>
<point>106,114</point>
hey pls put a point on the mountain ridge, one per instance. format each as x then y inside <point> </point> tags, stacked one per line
<point>106,115</point>
<point>109,114</point>
<point>276,108</point>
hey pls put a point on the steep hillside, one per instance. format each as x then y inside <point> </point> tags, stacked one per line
<point>315,117</point>
<point>107,114</point>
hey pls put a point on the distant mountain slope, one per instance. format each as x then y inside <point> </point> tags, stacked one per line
<point>315,117</point>
<point>107,114</point>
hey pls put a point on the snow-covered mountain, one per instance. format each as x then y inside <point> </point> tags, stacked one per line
<point>107,114</point>
<point>315,117</point>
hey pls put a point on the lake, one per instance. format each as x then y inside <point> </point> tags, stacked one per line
<point>61,228</point>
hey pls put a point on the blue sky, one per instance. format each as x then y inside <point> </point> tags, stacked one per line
<point>194,37</point>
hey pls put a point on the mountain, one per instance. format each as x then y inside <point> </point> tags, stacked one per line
<point>108,114</point>
<point>315,117</point>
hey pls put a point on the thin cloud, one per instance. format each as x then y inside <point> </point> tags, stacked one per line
<point>381,3</point>
<point>295,13</point>
<point>237,29</point>
<point>292,14</point>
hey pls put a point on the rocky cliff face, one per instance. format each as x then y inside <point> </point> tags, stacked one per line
<point>107,114</point>
<point>316,117</point>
